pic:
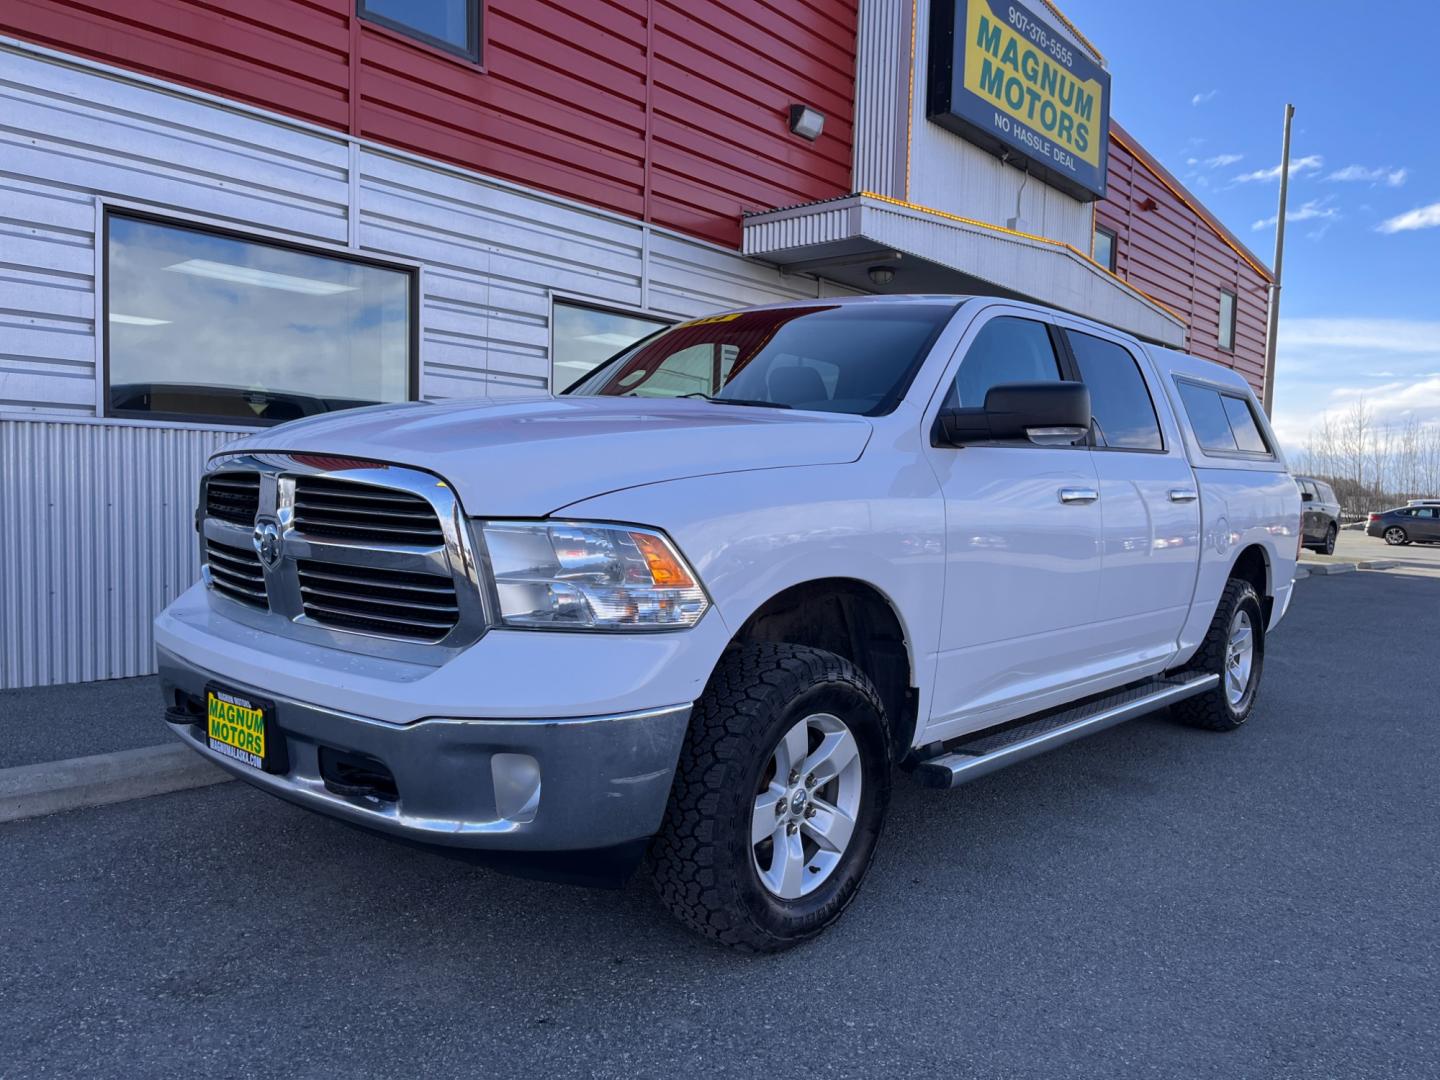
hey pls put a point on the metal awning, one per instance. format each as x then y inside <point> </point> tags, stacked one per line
<point>935,252</point>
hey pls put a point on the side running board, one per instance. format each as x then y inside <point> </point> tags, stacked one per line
<point>987,751</point>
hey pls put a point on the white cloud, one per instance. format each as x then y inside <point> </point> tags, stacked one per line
<point>1422,217</point>
<point>1419,337</point>
<point>1381,174</point>
<point>1201,99</point>
<point>1298,166</point>
<point>1219,161</point>
<point>1313,210</point>
<point>1326,364</point>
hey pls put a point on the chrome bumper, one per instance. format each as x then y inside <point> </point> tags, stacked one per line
<point>599,782</point>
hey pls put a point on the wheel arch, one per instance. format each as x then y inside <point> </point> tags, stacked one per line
<point>1252,564</point>
<point>854,619</point>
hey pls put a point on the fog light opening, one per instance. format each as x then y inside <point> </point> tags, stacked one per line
<point>517,786</point>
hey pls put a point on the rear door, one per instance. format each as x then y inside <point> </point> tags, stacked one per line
<point>1149,505</point>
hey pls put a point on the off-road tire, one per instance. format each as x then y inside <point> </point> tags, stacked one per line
<point>701,860</point>
<point>1212,710</point>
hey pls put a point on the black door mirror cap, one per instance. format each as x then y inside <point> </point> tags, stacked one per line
<point>1048,413</point>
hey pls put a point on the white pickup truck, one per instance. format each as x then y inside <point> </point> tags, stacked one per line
<point>700,607</point>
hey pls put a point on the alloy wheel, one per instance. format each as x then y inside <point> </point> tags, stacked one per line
<point>806,806</point>
<point>1239,657</point>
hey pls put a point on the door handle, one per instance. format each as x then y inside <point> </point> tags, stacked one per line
<point>1183,495</point>
<point>1078,495</point>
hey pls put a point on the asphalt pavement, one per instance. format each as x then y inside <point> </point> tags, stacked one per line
<point>1150,902</point>
<point>52,723</point>
<point>1353,545</point>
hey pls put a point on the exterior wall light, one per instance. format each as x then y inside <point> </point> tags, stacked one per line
<point>882,275</point>
<point>806,122</point>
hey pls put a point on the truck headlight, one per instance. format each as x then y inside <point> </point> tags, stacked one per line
<point>579,576</point>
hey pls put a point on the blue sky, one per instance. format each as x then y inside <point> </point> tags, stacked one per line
<point>1203,87</point>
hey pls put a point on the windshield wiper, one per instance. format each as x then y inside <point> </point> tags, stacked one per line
<point>756,402</point>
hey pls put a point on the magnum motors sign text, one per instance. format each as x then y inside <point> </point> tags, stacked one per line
<point>1004,79</point>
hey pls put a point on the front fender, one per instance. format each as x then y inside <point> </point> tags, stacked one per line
<point>752,535</point>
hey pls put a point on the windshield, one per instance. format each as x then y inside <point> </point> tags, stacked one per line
<point>839,358</point>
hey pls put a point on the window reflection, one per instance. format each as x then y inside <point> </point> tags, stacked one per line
<point>585,337</point>
<point>207,326</point>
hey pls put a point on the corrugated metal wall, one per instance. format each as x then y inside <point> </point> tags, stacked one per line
<point>1168,249</point>
<point>882,97</point>
<point>94,515</point>
<point>96,528</point>
<point>672,111</point>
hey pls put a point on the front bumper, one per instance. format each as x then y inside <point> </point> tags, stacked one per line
<point>603,781</point>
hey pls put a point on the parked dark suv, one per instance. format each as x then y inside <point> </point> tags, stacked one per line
<point>1406,525</point>
<point>1321,512</point>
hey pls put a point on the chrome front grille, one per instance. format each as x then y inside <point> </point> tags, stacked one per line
<point>233,497</point>
<point>379,600</point>
<point>236,572</point>
<point>364,513</point>
<point>364,556</point>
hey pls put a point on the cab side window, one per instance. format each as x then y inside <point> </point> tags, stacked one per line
<point>1124,414</point>
<point>1007,350</point>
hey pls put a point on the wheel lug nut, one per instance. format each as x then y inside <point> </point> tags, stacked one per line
<point>780,807</point>
<point>810,780</point>
<point>794,775</point>
<point>809,811</point>
<point>791,828</point>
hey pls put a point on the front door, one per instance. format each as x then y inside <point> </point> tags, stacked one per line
<point>1022,558</point>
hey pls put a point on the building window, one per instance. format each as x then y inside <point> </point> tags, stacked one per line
<point>1227,321</point>
<point>211,326</point>
<point>583,338</point>
<point>452,25</point>
<point>1105,247</point>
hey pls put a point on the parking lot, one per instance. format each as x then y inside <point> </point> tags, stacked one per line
<point>1353,544</point>
<point>1154,901</point>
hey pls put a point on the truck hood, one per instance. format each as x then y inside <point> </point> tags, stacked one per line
<point>528,457</point>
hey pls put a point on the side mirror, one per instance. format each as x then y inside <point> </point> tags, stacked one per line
<point>1306,496</point>
<point>1046,413</point>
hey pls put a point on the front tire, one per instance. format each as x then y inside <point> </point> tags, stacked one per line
<point>1234,649</point>
<point>1396,536</point>
<point>780,795</point>
<point>1328,547</point>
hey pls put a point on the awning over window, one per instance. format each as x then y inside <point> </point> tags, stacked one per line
<point>933,252</point>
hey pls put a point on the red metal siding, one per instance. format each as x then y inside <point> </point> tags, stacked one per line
<point>725,73</point>
<point>1173,253</point>
<point>668,110</point>
<point>287,55</point>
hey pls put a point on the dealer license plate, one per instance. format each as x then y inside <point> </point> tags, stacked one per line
<point>235,727</point>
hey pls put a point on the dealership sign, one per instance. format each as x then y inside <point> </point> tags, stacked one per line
<point>1004,79</point>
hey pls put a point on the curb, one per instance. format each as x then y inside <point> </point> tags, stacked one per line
<point>1319,568</point>
<point>1377,564</point>
<point>28,791</point>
